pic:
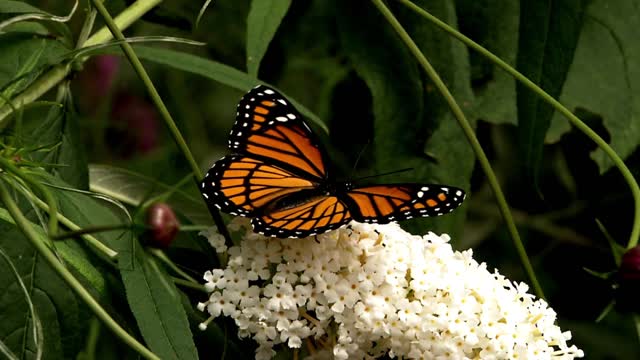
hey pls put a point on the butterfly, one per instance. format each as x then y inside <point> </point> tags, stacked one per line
<point>280,176</point>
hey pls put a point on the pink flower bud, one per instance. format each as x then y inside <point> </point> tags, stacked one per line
<point>163,225</point>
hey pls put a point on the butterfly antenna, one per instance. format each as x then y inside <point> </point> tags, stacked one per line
<point>355,166</point>
<point>384,174</point>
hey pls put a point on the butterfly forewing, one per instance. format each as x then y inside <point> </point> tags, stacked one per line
<point>242,185</point>
<point>268,127</point>
<point>393,202</point>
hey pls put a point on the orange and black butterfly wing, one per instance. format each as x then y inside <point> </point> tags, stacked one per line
<point>382,204</point>
<point>280,203</point>
<point>269,128</point>
<point>302,216</point>
<point>242,185</point>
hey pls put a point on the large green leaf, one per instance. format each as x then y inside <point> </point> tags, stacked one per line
<point>263,21</point>
<point>402,122</point>
<point>493,25</point>
<point>63,317</point>
<point>61,131</point>
<point>156,305</point>
<point>213,70</point>
<point>548,37</point>
<point>604,77</point>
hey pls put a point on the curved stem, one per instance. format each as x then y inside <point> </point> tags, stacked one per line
<point>473,141</point>
<point>164,112</point>
<point>165,260</point>
<point>44,251</point>
<point>575,121</point>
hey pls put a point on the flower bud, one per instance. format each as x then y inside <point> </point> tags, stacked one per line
<point>163,225</point>
<point>627,294</point>
<point>630,265</point>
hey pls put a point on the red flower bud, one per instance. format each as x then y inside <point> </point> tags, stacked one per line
<point>630,265</point>
<point>163,225</point>
<point>628,281</point>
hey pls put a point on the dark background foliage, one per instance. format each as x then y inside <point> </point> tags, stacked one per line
<point>376,110</point>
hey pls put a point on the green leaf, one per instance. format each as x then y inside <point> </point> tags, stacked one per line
<point>496,28</point>
<point>263,21</point>
<point>133,188</point>
<point>22,58</point>
<point>151,294</point>
<point>54,24</point>
<point>213,70</point>
<point>156,305</point>
<point>604,77</point>
<point>548,37</point>
<point>17,7</point>
<point>402,121</point>
<point>63,317</point>
<point>61,128</point>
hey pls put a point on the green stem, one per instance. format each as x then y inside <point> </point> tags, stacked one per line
<point>123,20</point>
<point>92,339</point>
<point>91,240</point>
<point>473,141</point>
<point>73,283</point>
<point>164,112</point>
<point>193,227</point>
<point>155,97</point>
<point>38,88</point>
<point>91,230</point>
<point>188,284</point>
<point>87,26</point>
<point>165,260</point>
<point>51,202</point>
<point>574,120</point>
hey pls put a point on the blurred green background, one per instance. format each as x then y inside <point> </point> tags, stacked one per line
<point>343,62</point>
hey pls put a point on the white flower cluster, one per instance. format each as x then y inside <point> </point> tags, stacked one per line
<point>371,290</point>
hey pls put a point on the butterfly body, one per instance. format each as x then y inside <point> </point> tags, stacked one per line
<point>305,196</point>
<point>279,176</point>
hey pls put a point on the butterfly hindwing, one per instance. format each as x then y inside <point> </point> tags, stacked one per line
<point>268,127</point>
<point>394,202</point>
<point>314,216</point>
<point>242,185</point>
